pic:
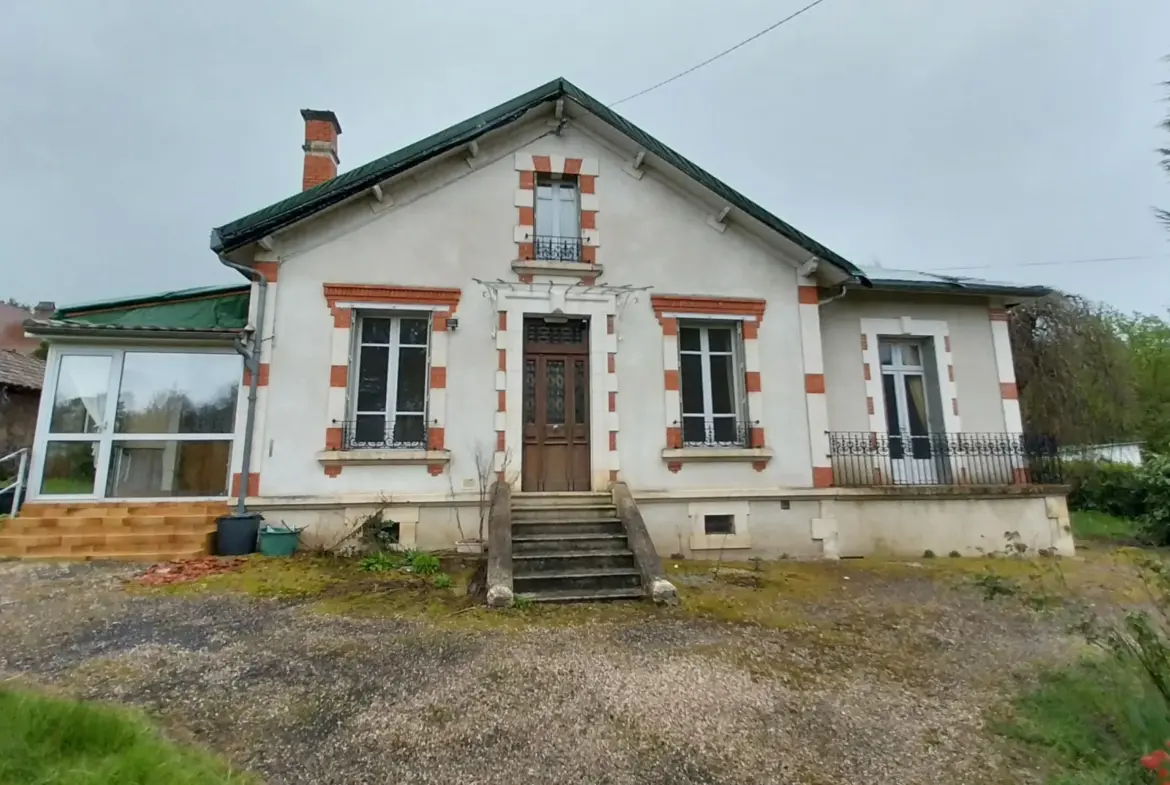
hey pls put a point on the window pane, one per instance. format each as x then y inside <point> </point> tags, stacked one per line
<point>369,431</point>
<point>688,339</point>
<point>410,430</point>
<point>580,402</point>
<point>529,389</point>
<point>69,467</point>
<point>375,330</point>
<point>916,404</point>
<point>545,220</point>
<point>911,355</point>
<point>178,392</point>
<point>726,430</point>
<point>886,352</point>
<point>893,427</point>
<point>719,339</point>
<point>414,331</point>
<point>691,382</point>
<point>80,405</point>
<point>694,431</point>
<point>568,224</point>
<point>371,394</point>
<point>719,524</point>
<point>555,392</point>
<point>722,385</point>
<point>169,468</point>
<point>412,380</point>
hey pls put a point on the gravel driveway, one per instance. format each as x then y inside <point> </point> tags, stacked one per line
<point>888,683</point>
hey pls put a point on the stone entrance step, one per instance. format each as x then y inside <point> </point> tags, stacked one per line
<point>571,547</point>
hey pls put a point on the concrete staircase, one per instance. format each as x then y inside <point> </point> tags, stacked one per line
<point>571,547</point>
<point>159,531</point>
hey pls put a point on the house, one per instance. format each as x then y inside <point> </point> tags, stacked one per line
<point>548,297</point>
<point>12,318</point>
<point>20,391</point>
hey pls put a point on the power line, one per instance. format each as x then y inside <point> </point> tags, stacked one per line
<point>710,60</point>
<point>1097,260</point>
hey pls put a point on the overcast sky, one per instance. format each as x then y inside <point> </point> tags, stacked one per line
<point>924,134</point>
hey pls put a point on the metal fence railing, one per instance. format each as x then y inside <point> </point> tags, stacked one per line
<point>715,432</point>
<point>18,486</point>
<point>378,433</point>
<point>556,249</point>
<point>861,459</point>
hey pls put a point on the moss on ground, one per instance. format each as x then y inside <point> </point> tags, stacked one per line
<point>336,585</point>
<point>782,595</point>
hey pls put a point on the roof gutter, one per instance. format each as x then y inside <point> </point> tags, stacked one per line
<point>64,331</point>
<point>965,289</point>
<point>250,351</point>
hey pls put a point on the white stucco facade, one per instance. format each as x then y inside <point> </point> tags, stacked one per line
<point>445,241</point>
<point>652,240</point>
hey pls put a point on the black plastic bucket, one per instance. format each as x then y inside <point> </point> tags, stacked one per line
<point>235,535</point>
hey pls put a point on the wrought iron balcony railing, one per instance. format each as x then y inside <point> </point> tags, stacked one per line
<point>375,432</point>
<point>718,431</point>
<point>556,249</point>
<point>862,459</point>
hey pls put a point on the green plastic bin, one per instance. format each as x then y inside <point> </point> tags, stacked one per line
<point>278,540</point>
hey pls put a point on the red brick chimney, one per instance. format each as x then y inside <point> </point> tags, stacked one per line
<point>321,132</point>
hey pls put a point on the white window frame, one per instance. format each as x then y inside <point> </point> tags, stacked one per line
<point>105,437</point>
<point>738,371</point>
<point>558,185</point>
<point>393,345</point>
<point>899,369</point>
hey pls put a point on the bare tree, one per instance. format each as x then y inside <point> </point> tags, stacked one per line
<point>485,478</point>
<point>1073,371</point>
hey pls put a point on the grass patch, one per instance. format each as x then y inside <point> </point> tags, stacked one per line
<point>1087,724</point>
<point>59,742</point>
<point>1096,525</point>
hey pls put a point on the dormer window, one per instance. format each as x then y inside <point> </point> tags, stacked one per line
<point>558,219</point>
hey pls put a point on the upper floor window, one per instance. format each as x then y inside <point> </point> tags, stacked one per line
<point>388,401</point>
<point>558,219</point>
<point>712,385</point>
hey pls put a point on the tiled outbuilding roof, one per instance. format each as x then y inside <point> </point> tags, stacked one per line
<point>19,370</point>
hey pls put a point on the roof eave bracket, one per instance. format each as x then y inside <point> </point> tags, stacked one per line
<point>382,200</point>
<point>809,267</point>
<point>472,153</point>
<point>633,167</point>
<point>718,221</point>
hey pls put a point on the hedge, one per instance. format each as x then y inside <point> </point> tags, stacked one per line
<point>1138,492</point>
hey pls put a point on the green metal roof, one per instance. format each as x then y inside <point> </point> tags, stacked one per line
<point>295,208</point>
<point>915,281</point>
<point>202,308</point>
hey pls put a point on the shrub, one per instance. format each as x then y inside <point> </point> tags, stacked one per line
<point>1136,492</point>
<point>422,563</point>
<point>442,581</point>
<point>380,562</point>
<point>1112,488</point>
<point>1155,483</point>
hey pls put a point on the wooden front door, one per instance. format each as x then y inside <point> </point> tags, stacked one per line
<point>556,405</point>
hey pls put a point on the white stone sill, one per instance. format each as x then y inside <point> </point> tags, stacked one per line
<point>572,269</point>
<point>382,457</point>
<point>730,454</point>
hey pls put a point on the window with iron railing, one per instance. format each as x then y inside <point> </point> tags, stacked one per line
<point>388,395</point>
<point>712,385</point>
<point>557,234</point>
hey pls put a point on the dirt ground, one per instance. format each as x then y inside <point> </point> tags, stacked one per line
<point>306,671</point>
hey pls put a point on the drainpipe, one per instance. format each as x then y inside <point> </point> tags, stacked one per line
<point>251,355</point>
<point>844,291</point>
